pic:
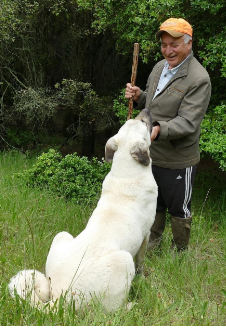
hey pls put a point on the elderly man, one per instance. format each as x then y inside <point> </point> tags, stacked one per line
<point>177,94</point>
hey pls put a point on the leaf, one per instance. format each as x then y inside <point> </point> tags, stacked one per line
<point>224,292</point>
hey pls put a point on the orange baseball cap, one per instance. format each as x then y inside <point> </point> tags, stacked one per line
<point>176,27</point>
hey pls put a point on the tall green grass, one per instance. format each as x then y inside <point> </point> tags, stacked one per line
<point>189,289</point>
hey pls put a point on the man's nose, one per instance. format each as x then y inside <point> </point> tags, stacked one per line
<point>168,50</point>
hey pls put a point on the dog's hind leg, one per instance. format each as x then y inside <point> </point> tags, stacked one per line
<point>139,258</point>
<point>121,271</point>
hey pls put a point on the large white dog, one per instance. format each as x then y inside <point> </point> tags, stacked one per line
<point>99,262</point>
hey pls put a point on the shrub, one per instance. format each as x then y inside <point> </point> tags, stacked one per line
<point>22,139</point>
<point>72,177</point>
<point>34,107</point>
<point>213,135</point>
<point>44,168</point>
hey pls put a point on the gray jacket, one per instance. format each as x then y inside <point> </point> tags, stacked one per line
<point>179,110</point>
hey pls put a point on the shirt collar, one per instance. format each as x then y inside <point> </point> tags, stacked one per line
<point>174,70</point>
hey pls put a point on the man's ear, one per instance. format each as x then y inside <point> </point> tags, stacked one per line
<point>140,152</point>
<point>190,45</point>
<point>110,149</point>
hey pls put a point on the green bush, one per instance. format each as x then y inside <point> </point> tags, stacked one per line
<point>19,138</point>
<point>72,177</point>
<point>213,135</point>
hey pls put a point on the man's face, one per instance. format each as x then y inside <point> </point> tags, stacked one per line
<point>174,50</point>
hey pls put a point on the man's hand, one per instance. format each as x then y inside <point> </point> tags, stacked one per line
<point>155,132</point>
<point>132,92</point>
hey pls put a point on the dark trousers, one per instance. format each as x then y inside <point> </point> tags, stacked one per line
<point>175,190</point>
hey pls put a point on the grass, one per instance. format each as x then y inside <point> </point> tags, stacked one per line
<point>177,290</point>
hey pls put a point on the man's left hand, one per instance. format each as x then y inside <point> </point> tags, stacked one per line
<point>155,132</point>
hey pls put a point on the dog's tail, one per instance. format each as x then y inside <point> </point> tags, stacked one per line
<point>30,285</point>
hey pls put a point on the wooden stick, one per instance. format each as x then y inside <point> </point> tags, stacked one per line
<point>133,77</point>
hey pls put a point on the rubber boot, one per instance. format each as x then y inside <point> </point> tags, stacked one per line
<point>181,228</point>
<point>157,229</point>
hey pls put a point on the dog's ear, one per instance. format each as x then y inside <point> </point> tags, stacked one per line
<point>140,152</point>
<point>110,149</point>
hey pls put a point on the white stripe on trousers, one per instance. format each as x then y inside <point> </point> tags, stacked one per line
<point>188,192</point>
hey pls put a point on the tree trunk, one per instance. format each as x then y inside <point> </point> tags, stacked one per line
<point>88,141</point>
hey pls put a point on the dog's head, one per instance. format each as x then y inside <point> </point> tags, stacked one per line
<point>136,133</point>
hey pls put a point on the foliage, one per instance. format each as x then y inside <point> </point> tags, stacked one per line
<point>120,107</point>
<point>138,20</point>
<point>131,21</point>
<point>44,168</point>
<point>213,135</point>
<point>27,30</point>
<point>72,177</point>
<point>74,93</point>
<point>214,53</point>
<point>34,107</point>
<point>86,104</point>
<point>20,138</point>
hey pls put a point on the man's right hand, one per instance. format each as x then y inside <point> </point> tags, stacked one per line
<point>132,92</point>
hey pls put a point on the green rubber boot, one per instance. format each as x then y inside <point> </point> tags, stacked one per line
<point>157,229</point>
<point>181,228</point>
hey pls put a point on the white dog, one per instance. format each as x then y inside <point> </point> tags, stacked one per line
<point>99,262</point>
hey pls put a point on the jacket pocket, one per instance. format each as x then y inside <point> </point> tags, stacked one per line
<point>173,91</point>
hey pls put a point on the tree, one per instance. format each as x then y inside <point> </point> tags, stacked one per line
<point>42,43</point>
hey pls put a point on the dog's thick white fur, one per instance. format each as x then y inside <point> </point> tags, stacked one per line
<point>99,262</point>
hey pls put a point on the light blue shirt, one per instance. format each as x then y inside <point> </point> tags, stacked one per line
<point>166,75</point>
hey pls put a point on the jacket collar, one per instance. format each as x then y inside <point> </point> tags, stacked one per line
<point>183,69</point>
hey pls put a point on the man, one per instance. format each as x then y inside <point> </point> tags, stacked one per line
<point>177,94</point>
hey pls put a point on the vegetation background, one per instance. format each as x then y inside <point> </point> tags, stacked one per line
<point>63,69</point>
